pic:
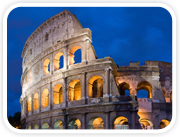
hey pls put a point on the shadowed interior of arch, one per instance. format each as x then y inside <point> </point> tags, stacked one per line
<point>124,89</point>
<point>57,94</point>
<point>58,124</point>
<point>74,90</point>
<point>95,86</point>
<point>74,124</point>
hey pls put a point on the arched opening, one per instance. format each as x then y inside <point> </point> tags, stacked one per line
<point>29,127</point>
<point>45,125</point>
<point>74,90</point>
<point>74,124</point>
<point>29,104</point>
<point>164,123</point>
<point>145,88</point>
<point>36,101</point>
<point>57,94</point>
<point>146,124</point>
<point>58,124</point>
<point>30,77</point>
<point>36,126</point>
<point>124,89</point>
<point>95,87</point>
<point>96,123</point>
<point>46,66</point>
<point>142,93</point>
<point>121,122</point>
<point>75,57</point>
<point>58,61</point>
<point>45,98</point>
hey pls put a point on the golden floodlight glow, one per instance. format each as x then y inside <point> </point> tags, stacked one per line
<point>45,66</point>
<point>56,60</point>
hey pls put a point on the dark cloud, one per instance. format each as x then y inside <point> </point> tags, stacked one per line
<point>125,34</point>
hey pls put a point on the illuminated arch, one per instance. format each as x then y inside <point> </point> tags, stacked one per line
<point>71,54</point>
<point>45,98</point>
<point>46,65</point>
<point>74,124</point>
<point>164,123</point>
<point>96,123</point>
<point>146,124</point>
<point>57,60</point>
<point>95,87</point>
<point>58,124</point>
<point>121,122</point>
<point>57,94</point>
<point>36,101</point>
<point>36,126</point>
<point>144,85</point>
<point>45,125</point>
<point>124,88</point>
<point>29,104</point>
<point>74,90</point>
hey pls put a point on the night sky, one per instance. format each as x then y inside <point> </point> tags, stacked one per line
<point>125,34</point>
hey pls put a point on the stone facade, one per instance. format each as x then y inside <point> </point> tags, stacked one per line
<point>91,89</point>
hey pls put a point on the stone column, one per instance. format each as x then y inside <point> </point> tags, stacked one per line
<point>65,92</point>
<point>32,104</point>
<point>83,89</point>
<point>83,124</point>
<point>40,96</point>
<point>50,96</point>
<point>107,124</point>
<point>65,124</point>
<point>66,57</point>
<point>106,87</point>
<point>133,120</point>
<point>50,123</point>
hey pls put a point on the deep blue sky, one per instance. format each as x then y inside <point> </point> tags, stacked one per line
<point>125,34</point>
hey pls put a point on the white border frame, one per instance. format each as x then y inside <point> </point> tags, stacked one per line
<point>104,131</point>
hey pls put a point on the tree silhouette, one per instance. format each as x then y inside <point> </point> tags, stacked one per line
<point>15,120</point>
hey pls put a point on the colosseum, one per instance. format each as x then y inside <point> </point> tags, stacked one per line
<point>92,94</point>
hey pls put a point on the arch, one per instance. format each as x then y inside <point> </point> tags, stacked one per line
<point>29,104</point>
<point>57,61</point>
<point>96,123</point>
<point>164,123</point>
<point>36,101</point>
<point>120,122</point>
<point>71,54</point>
<point>95,87</point>
<point>36,126</point>
<point>58,124</point>
<point>74,90</point>
<point>45,98</point>
<point>46,65</point>
<point>29,127</point>
<point>57,94</point>
<point>74,124</point>
<point>30,77</point>
<point>144,85</point>
<point>146,124</point>
<point>124,89</point>
<point>45,125</point>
